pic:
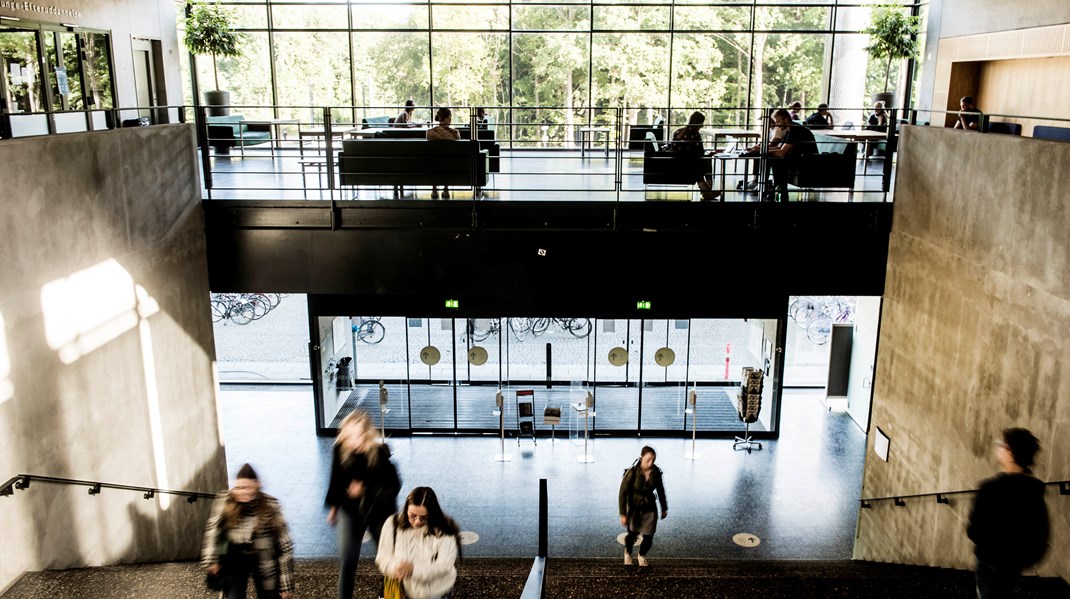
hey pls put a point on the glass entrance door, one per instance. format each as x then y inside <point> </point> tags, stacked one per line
<point>24,104</point>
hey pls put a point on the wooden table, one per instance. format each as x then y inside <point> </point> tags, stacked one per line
<point>320,133</point>
<point>589,136</point>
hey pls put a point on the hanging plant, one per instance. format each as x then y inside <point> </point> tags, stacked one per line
<point>893,35</point>
<point>209,32</point>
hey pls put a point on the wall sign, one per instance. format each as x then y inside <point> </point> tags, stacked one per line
<point>44,9</point>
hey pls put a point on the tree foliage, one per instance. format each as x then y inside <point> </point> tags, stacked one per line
<point>893,35</point>
<point>209,31</point>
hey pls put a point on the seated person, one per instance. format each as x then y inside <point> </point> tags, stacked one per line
<point>481,116</point>
<point>796,111</point>
<point>878,121</point>
<point>442,132</point>
<point>688,141</point>
<point>970,117</point>
<point>822,119</point>
<point>796,141</point>
<point>405,118</point>
<point>775,135</point>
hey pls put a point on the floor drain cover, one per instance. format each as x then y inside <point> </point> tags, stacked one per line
<point>468,537</point>
<point>745,539</point>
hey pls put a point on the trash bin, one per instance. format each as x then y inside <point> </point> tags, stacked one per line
<point>344,376</point>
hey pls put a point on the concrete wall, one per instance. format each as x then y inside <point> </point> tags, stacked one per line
<point>975,330</point>
<point>106,352</point>
<point>125,19</point>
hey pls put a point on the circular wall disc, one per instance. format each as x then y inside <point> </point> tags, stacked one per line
<point>664,357</point>
<point>468,537</point>
<point>618,356</point>
<point>745,539</point>
<point>430,355</point>
<point>477,356</point>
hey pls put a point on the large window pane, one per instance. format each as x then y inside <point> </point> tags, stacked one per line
<point>389,68</point>
<point>711,70</point>
<point>630,18</point>
<point>548,18</point>
<point>389,16</point>
<point>630,69</point>
<point>549,72</point>
<point>471,69</point>
<point>791,68</point>
<point>308,76</point>
<point>18,57</point>
<point>247,78</point>
<point>309,17</point>
<point>712,18</point>
<point>98,77</point>
<point>469,17</point>
<point>249,17</point>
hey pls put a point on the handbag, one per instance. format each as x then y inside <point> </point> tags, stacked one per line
<point>392,588</point>
<point>220,581</point>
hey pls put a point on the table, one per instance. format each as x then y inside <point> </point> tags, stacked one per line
<point>276,124</point>
<point>742,134</point>
<point>866,136</point>
<point>724,158</point>
<point>363,133</point>
<point>589,136</point>
<point>319,132</point>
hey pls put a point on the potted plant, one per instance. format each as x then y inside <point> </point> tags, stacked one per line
<point>209,31</point>
<point>893,35</point>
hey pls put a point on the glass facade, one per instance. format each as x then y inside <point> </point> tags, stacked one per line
<point>570,57</point>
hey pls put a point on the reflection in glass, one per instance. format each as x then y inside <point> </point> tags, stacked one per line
<point>18,57</point>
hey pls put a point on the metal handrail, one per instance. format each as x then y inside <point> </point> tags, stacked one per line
<point>22,482</point>
<point>942,497</point>
<point>535,586</point>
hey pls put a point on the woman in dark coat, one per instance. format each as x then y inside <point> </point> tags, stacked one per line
<point>638,509</point>
<point>362,492</point>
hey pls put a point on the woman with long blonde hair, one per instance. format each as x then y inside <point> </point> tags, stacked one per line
<point>362,492</point>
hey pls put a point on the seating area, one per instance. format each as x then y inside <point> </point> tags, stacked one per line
<point>401,162</point>
<point>832,167</point>
<point>226,132</point>
<point>1051,133</point>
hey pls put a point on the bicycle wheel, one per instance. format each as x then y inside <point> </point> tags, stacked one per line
<point>274,299</point>
<point>260,303</point>
<point>819,330</point>
<point>371,332</point>
<point>579,327</point>
<point>539,326</point>
<point>519,326</point>
<point>242,312</point>
<point>219,310</point>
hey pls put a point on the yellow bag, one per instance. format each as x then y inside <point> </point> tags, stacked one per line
<point>392,588</point>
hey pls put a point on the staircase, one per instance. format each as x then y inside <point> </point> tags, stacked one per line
<point>486,578</point>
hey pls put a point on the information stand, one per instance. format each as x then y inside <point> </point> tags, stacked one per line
<point>586,408</point>
<point>692,409</point>
<point>383,410</point>
<point>500,413</point>
<point>551,416</point>
<point>525,414</point>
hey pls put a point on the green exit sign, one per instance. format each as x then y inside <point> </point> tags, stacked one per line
<point>453,304</point>
<point>642,305</point>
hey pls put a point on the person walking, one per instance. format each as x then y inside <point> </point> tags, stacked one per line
<point>361,494</point>
<point>419,547</point>
<point>1009,520</point>
<point>247,537</point>
<point>638,507</point>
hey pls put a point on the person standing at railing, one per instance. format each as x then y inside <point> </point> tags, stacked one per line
<point>687,140</point>
<point>640,492</point>
<point>443,132</point>
<point>969,117</point>
<point>419,548</point>
<point>247,537</point>
<point>1009,520</point>
<point>361,494</point>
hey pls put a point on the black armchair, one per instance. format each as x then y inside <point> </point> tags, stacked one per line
<point>672,168</point>
<point>637,134</point>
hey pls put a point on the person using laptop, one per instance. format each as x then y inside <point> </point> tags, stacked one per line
<point>688,141</point>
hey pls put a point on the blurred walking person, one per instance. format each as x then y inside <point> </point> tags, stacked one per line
<point>640,492</point>
<point>362,492</point>
<point>419,547</point>
<point>247,537</point>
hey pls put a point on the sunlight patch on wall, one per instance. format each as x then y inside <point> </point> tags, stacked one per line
<point>89,308</point>
<point>152,398</point>
<point>7,388</point>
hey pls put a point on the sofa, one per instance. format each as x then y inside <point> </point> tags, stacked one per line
<point>375,122</point>
<point>225,132</point>
<point>411,162</point>
<point>671,168</point>
<point>486,141</point>
<point>833,166</point>
<point>1051,133</point>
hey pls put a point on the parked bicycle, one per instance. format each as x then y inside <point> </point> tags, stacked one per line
<point>817,314</point>
<point>369,330</point>
<point>242,308</point>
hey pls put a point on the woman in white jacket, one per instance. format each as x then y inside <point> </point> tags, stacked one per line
<point>420,546</point>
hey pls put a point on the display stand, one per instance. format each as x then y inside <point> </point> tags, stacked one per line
<point>587,404</point>
<point>551,416</point>
<point>525,414</point>
<point>383,410</point>
<point>748,406</point>
<point>500,413</point>
<point>692,402</point>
